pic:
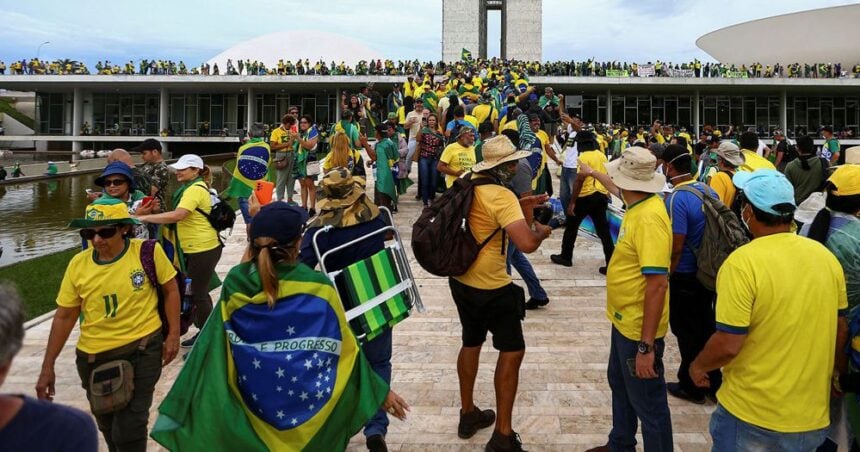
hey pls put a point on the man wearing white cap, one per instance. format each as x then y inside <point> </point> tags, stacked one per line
<point>776,336</point>
<point>637,303</point>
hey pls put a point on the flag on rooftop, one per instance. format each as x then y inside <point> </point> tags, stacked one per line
<point>466,55</point>
<point>290,377</point>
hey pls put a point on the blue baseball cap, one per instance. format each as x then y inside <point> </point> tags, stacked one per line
<point>280,221</point>
<point>116,168</point>
<point>765,188</point>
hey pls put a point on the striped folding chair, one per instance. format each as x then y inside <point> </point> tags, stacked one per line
<point>378,292</point>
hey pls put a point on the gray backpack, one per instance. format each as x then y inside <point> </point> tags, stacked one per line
<point>723,234</point>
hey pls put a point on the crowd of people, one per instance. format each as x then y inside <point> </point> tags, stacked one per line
<point>572,68</point>
<point>747,251</point>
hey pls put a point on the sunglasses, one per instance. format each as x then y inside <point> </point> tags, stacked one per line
<point>105,233</point>
<point>115,182</point>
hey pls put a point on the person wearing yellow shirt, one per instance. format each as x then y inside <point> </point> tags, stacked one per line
<point>748,143</point>
<point>589,198</point>
<point>458,157</point>
<point>637,302</point>
<point>106,290</point>
<point>200,246</point>
<point>777,349</point>
<point>485,112</point>
<point>281,143</point>
<point>729,158</point>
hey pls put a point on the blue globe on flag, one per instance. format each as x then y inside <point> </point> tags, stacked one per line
<point>253,162</point>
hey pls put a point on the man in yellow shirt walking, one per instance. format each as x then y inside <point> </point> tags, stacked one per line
<point>776,336</point>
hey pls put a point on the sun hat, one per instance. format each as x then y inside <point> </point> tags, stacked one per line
<point>498,150</point>
<point>343,201</point>
<point>852,156</point>
<point>104,211</point>
<point>279,221</point>
<point>846,180</point>
<point>635,171</point>
<point>765,188</point>
<point>731,153</point>
<point>116,168</point>
<point>188,161</point>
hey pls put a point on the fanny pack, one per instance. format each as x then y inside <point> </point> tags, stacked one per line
<point>111,384</point>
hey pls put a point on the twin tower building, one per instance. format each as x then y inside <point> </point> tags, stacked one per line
<point>464,26</point>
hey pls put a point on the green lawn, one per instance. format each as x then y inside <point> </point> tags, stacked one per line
<point>38,280</point>
<point>6,107</point>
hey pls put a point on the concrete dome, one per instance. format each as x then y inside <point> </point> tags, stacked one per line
<point>292,45</point>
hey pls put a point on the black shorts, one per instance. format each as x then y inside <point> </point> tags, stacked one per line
<point>499,311</point>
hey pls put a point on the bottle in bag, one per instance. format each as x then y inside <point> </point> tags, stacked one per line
<point>187,299</point>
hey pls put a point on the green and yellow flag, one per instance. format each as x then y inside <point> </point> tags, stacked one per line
<point>252,164</point>
<point>289,377</point>
<point>465,55</point>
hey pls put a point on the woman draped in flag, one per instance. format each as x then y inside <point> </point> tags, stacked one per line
<point>386,156</point>
<point>277,359</point>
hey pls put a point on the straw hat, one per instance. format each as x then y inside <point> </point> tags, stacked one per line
<point>635,171</point>
<point>498,150</point>
<point>730,152</point>
<point>343,201</point>
<point>852,156</point>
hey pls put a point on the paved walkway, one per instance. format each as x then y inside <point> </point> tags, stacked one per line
<point>564,402</point>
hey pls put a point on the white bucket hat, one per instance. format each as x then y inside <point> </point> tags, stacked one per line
<point>635,171</point>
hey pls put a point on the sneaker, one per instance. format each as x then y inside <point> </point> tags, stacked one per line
<point>560,260</point>
<point>473,421</point>
<point>376,443</point>
<point>602,270</point>
<point>499,442</point>
<point>190,342</point>
<point>312,213</point>
<point>677,391</point>
<point>534,303</point>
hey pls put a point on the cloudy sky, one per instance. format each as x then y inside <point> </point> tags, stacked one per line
<point>627,30</point>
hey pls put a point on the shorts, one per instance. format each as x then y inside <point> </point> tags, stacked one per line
<point>499,311</point>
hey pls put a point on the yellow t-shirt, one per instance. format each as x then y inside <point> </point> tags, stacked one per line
<point>485,111</point>
<point>644,248</point>
<point>493,207</point>
<point>755,162</point>
<point>118,302</point>
<point>458,158</point>
<point>784,292</point>
<point>472,120</point>
<point>278,136</point>
<point>195,233</point>
<point>722,184</point>
<point>510,125</point>
<point>597,161</point>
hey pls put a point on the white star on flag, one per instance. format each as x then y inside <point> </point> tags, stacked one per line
<point>308,364</point>
<point>316,355</point>
<point>320,363</point>
<point>319,395</point>
<point>279,389</point>
<point>328,390</point>
<point>304,396</point>
<point>280,414</point>
<point>326,378</point>
<point>289,357</point>
<point>294,421</point>
<point>244,378</point>
<point>256,363</point>
<point>319,375</point>
<point>280,373</point>
<point>290,392</point>
<point>328,362</point>
<point>311,407</point>
<point>291,330</point>
<point>294,379</point>
<point>254,396</point>
<point>319,384</point>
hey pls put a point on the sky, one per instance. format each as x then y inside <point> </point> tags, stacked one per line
<point>122,30</point>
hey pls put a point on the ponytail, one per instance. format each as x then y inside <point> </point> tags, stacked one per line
<point>206,175</point>
<point>266,253</point>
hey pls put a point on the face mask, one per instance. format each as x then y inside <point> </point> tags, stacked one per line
<point>505,173</point>
<point>745,221</point>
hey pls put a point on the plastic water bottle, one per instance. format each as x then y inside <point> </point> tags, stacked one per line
<point>187,299</point>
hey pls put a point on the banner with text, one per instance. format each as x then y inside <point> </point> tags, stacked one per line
<point>736,74</point>
<point>680,73</point>
<point>617,73</point>
<point>645,70</point>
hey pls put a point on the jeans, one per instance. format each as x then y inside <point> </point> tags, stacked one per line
<point>633,397</point>
<point>428,178</point>
<point>693,321</point>
<point>378,354</point>
<point>732,434</point>
<point>284,179</point>
<point>568,178</point>
<point>411,146</point>
<point>594,206</point>
<point>524,268</point>
<point>125,430</point>
<point>246,212</point>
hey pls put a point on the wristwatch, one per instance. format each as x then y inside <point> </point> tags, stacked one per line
<point>644,348</point>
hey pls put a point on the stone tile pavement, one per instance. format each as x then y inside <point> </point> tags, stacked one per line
<point>564,402</point>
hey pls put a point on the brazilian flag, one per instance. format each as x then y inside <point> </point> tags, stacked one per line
<point>286,377</point>
<point>465,54</point>
<point>252,164</point>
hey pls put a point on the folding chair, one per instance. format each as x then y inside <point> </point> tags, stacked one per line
<point>379,291</point>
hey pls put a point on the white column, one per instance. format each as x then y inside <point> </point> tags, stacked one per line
<point>609,107</point>
<point>337,103</point>
<point>696,120</point>
<point>252,108</point>
<point>77,120</point>
<point>163,116</point>
<point>783,111</point>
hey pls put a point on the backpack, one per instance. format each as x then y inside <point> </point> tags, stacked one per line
<point>454,133</point>
<point>442,240</point>
<point>147,260</point>
<point>221,217</point>
<point>723,234</point>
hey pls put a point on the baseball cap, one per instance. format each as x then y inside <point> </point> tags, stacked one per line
<point>280,221</point>
<point>765,189</point>
<point>846,180</point>
<point>188,161</point>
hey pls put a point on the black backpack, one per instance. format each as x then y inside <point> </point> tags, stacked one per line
<point>452,138</point>
<point>442,239</point>
<point>221,217</point>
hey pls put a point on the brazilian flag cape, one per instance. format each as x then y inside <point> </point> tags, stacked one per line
<point>289,377</point>
<point>252,164</point>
